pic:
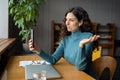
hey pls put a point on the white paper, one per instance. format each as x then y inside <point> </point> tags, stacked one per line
<point>24,63</point>
<point>35,62</point>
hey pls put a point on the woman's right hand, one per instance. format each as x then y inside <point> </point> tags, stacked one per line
<point>89,40</point>
<point>35,48</point>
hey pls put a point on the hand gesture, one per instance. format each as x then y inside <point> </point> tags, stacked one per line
<point>91,39</point>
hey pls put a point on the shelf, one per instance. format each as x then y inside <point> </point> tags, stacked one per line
<point>106,37</point>
<point>106,40</point>
<point>105,31</point>
<point>56,27</point>
<point>106,45</point>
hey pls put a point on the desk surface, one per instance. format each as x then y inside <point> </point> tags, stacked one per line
<point>68,72</point>
<point>5,43</point>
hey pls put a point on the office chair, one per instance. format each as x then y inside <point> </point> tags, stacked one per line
<point>105,62</point>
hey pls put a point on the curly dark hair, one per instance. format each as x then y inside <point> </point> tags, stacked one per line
<point>80,14</point>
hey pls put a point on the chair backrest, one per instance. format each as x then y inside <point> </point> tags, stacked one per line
<point>105,74</point>
<point>105,61</point>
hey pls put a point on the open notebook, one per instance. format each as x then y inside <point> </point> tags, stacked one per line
<point>51,72</point>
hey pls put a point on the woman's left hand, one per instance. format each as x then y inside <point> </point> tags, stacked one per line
<point>91,39</point>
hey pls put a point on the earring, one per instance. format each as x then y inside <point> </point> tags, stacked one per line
<point>79,24</point>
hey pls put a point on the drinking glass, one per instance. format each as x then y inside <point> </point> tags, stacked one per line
<point>39,76</point>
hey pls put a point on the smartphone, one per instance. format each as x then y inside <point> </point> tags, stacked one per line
<point>32,37</point>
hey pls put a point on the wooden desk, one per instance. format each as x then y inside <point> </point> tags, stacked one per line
<point>5,43</point>
<point>68,72</point>
<point>6,50</point>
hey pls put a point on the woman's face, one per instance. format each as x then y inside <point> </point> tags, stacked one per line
<point>72,22</point>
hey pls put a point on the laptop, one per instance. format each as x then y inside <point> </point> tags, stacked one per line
<point>51,72</point>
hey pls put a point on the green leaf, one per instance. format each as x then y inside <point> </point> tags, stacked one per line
<point>10,3</point>
<point>24,14</point>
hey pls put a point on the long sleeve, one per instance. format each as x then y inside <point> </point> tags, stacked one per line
<point>53,58</point>
<point>83,57</point>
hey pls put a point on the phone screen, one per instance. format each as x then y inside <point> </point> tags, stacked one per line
<point>32,37</point>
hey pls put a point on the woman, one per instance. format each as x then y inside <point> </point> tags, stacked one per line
<point>77,41</point>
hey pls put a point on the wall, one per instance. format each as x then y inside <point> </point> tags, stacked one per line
<point>10,31</point>
<point>3,18</point>
<point>101,11</point>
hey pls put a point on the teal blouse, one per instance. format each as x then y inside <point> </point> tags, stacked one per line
<point>69,49</point>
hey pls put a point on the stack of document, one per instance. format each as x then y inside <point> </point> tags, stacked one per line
<point>35,62</point>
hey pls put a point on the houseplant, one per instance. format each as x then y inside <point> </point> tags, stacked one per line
<point>24,14</point>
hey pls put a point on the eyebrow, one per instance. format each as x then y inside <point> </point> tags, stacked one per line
<point>71,18</point>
